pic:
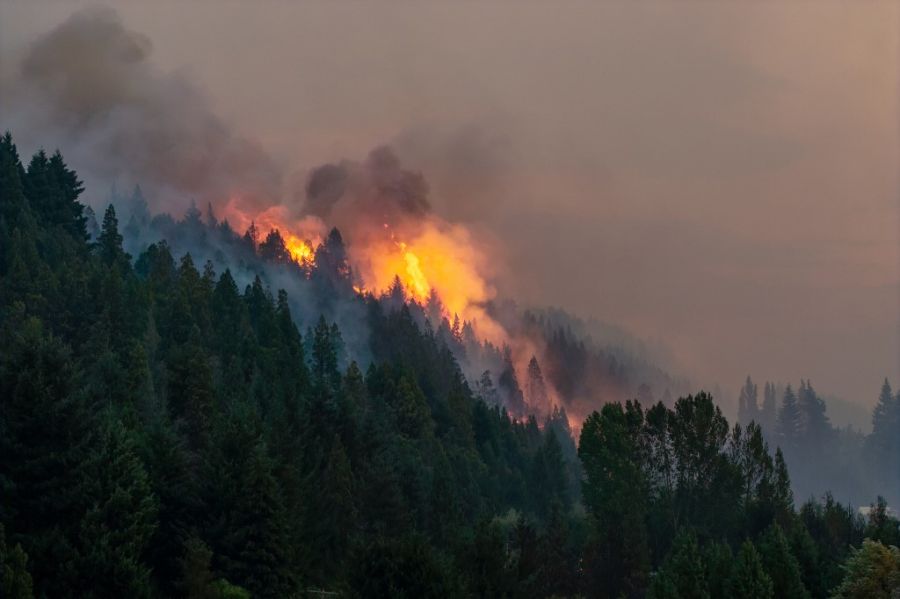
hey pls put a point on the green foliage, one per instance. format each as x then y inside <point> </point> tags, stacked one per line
<point>871,572</point>
<point>684,572</point>
<point>780,564</point>
<point>406,567</point>
<point>15,580</point>
<point>167,431</point>
<point>116,528</point>
<point>748,578</point>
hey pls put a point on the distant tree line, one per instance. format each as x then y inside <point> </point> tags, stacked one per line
<point>167,433</point>
<point>852,464</point>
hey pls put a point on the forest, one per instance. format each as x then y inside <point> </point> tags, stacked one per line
<point>179,423</point>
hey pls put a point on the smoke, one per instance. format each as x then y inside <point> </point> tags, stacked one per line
<point>378,188</point>
<point>90,86</point>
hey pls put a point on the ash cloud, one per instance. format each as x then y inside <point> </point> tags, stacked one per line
<point>379,187</point>
<point>90,84</point>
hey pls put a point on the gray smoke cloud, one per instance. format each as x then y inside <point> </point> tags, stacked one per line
<point>379,187</point>
<point>90,86</point>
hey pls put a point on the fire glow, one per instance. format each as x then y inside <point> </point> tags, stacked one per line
<point>430,257</point>
<point>301,236</point>
<point>436,258</point>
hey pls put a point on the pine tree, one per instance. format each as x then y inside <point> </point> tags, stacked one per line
<point>781,565</point>
<point>768,413</point>
<point>69,212</point>
<point>536,389</point>
<point>718,560</point>
<point>684,570</point>
<point>324,368</point>
<point>109,243</point>
<point>274,250</point>
<point>196,574</point>
<point>331,515</point>
<point>117,528</point>
<point>783,496</point>
<point>47,436</point>
<point>15,581</point>
<point>747,408</point>
<point>12,187</point>
<point>790,423</point>
<point>486,389</point>
<point>883,444</point>
<point>817,429</point>
<point>613,491</point>
<point>748,579</point>
<point>248,532</point>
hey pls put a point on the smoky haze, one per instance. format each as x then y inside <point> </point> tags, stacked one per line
<point>718,177</point>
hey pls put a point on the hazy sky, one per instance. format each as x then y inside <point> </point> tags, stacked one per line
<point>720,176</point>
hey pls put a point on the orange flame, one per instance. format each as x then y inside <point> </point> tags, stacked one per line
<point>432,257</point>
<point>300,235</point>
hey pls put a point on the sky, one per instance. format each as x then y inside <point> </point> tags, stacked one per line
<point>720,178</point>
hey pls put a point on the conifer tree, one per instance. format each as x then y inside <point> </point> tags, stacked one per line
<point>535,388</point>
<point>47,437</point>
<point>790,423</point>
<point>109,243</point>
<point>747,407</point>
<point>12,185</point>
<point>780,564</point>
<point>684,571</point>
<point>748,579</point>
<point>15,581</point>
<point>768,413</point>
<point>883,444</point>
<point>117,527</point>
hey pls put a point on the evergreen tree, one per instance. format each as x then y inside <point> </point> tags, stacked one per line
<point>718,560</point>
<point>331,516</point>
<point>781,565</point>
<point>117,527</point>
<point>790,420</point>
<point>817,430</point>
<point>248,531</point>
<point>748,579</point>
<point>47,435</point>
<point>69,212</point>
<point>883,445</point>
<point>273,249</point>
<point>12,188</point>
<point>747,407</point>
<point>684,571</point>
<point>15,581</point>
<point>109,243</point>
<point>614,492</point>
<point>536,389</point>
<point>768,413</point>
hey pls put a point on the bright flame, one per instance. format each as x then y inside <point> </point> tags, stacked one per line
<point>302,251</point>
<point>432,257</point>
<point>300,235</point>
<point>437,257</point>
<point>418,283</point>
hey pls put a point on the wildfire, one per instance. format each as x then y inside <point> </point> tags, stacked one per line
<point>434,257</point>
<point>429,257</point>
<point>302,251</point>
<point>300,235</point>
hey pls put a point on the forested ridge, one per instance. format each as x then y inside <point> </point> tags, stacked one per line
<point>166,433</point>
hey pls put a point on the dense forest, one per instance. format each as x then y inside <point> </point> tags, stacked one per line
<point>172,425</point>
<point>854,465</point>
